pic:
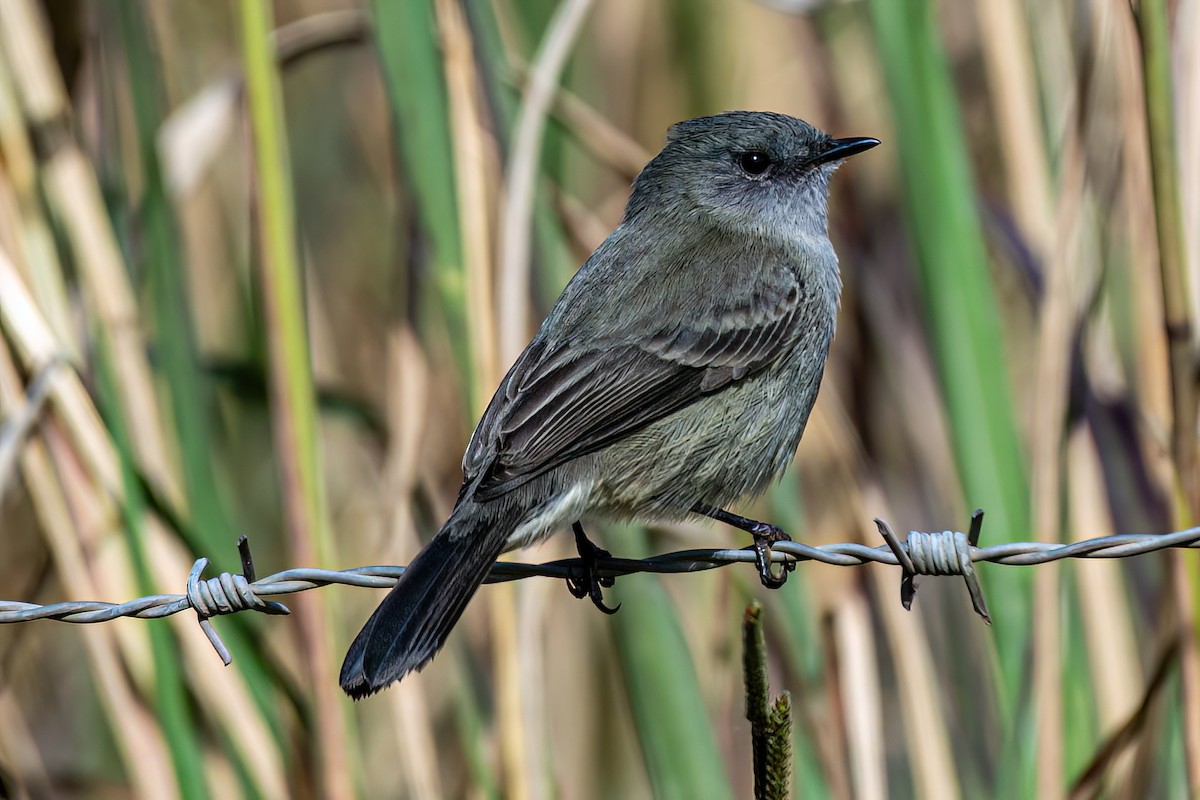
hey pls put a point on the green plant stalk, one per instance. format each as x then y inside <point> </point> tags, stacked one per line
<point>940,204</point>
<point>754,667</point>
<point>188,390</point>
<point>407,42</point>
<point>188,387</point>
<point>473,733</point>
<point>407,39</point>
<point>770,723</point>
<point>530,21</point>
<point>1079,705</point>
<point>754,673</point>
<point>677,740</point>
<point>292,380</point>
<point>691,45</point>
<point>1168,216</point>
<point>171,698</point>
<point>796,630</point>
<point>553,262</point>
<point>485,33</point>
<point>802,641</point>
<point>294,414</point>
<point>779,748</point>
<point>802,646</point>
<point>1172,251</point>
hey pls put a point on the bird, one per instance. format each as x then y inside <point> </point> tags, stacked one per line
<point>673,376</point>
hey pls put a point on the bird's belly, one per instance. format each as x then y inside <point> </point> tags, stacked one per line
<point>728,445</point>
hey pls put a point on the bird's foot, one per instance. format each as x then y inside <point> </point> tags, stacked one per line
<point>587,581</point>
<point>764,536</point>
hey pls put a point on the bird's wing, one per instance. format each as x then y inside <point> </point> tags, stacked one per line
<point>559,403</point>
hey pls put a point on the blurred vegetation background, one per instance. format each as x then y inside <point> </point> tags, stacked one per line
<point>286,250</point>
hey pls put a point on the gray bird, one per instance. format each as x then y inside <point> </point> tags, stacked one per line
<point>674,375</point>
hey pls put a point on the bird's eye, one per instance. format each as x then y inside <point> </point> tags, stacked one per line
<point>755,162</point>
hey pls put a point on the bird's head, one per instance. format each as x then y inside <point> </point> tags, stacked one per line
<point>746,171</point>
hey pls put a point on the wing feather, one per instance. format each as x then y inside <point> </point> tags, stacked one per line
<point>561,402</point>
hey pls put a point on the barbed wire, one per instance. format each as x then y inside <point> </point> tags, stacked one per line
<point>934,553</point>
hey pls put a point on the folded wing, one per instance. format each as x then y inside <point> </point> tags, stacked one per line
<point>559,403</point>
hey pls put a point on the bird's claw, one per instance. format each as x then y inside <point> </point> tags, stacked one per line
<point>765,536</point>
<point>586,580</point>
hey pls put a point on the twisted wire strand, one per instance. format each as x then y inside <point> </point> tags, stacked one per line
<point>936,553</point>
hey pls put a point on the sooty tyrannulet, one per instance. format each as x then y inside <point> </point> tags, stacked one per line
<point>674,375</point>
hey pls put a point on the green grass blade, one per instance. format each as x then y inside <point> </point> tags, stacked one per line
<point>165,270</point>
<point>1168,216</point>
<point>1154,30</point>
<point>171,698</point>
<point>964,326</point>
<point>187,385</point>
<point>406,38</point>
<point>681,754</point>
<point>293,392</point>
<point>407,43</point>
<point>800,641</point>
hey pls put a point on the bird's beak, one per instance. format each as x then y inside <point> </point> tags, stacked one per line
<point>838,149</point>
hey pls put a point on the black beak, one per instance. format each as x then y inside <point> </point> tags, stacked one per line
<point>838,149</point>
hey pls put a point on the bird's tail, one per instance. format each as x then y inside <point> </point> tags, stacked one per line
<point>413,621</point>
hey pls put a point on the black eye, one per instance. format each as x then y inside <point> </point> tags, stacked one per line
<point>755,162</point>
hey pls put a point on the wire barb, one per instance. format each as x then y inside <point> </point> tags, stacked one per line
<point>226,594</point>
<point>937,553</point>
<point>943,553</point>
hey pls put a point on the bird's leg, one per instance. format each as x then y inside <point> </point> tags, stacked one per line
<point>764,536</point>
<point>590,583</point>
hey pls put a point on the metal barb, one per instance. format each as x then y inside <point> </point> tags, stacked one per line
<point>976,527</point>
<point>908,576</point>
<point>226,594</point>
<point>938,553</point>
<point>243,547</point>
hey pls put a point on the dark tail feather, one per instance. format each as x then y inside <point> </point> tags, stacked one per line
<point>413,621</point>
